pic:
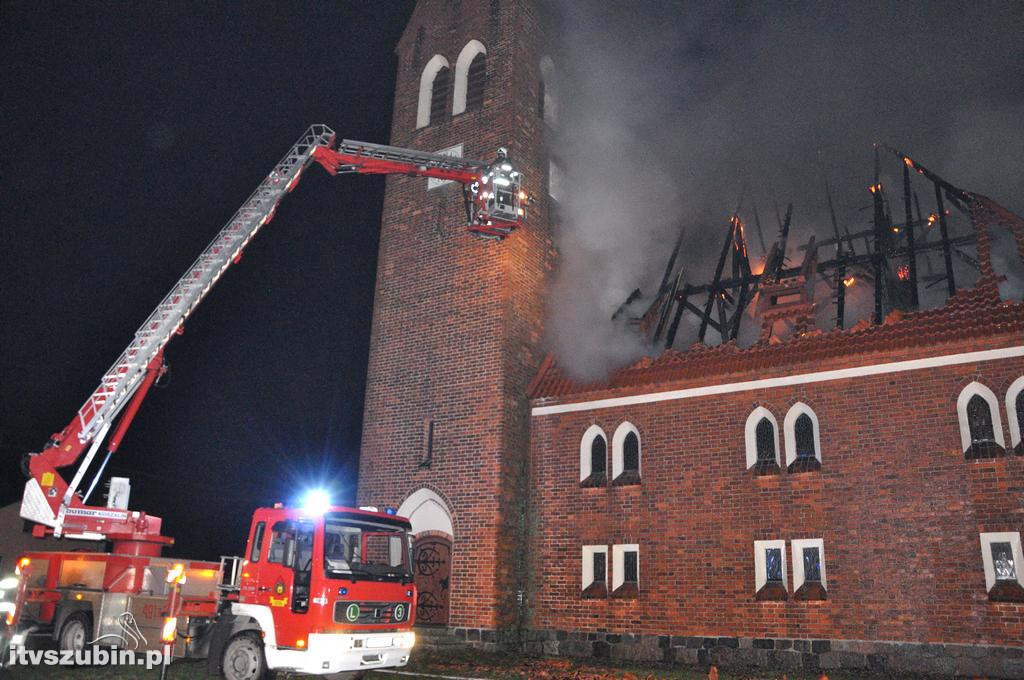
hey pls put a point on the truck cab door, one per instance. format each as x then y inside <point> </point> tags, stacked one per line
<point>284,580</point>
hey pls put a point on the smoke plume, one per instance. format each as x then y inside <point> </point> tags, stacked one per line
<point>670,112</point>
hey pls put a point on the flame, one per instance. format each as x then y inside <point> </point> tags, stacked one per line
<point>903,272</point>
<point>932,218</point>
<point>849,281</point>
<point>909,163</point>
<point>895,230</point>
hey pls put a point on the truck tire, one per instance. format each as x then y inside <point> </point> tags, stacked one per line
<point>76,632</point>
<point>348,675</point>
<point>243,658</point>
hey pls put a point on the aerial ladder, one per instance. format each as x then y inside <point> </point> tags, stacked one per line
<point>495,205</point>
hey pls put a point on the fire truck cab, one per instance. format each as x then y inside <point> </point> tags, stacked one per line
<point>318,593</point>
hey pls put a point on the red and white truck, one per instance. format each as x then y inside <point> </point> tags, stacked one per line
<point>321,589</point>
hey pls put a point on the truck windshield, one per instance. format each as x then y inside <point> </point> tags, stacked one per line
<point>365,550</point>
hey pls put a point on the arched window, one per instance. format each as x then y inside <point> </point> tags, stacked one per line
<point>979,420</point>
<point>439,94</point>
<point>981,429</point>
<point>598,456</point>
<point>762,441</point>
<point>470,77</point>
<point>804,433</point>
<point>626,454</point>
<point>593,457</point>
<point>631,453</point>
<point>1015,414</point>
<point>803,439</point>
<point>434,83</point>
<point>765,436</point>
<point>475,83</point>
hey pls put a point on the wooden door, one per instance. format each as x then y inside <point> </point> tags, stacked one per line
<point>432,563</point>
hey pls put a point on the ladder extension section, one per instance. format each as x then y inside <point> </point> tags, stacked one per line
<point>422,160</point>
<point>125,376</point>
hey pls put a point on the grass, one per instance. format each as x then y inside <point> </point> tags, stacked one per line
<point>463,663</point>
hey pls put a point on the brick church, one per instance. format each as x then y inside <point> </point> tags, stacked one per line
<point>838,499</point>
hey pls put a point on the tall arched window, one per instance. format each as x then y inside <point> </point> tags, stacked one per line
<point>626,454</point>
<point>765,435</point>
<point>1015,414</point>
<point>804,433</point>
<point>470,77</point>
<point>434,83</point>
<point>979,420</point>
<point>593,457</point>
<point>475,83</point>
<point>981,429</point>
<point>762,441</point>
<point>631,453</point>
<point>598,456</point>
<point>803,439</point>
<point>439,95</point>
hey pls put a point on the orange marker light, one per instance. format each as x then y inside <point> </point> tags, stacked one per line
<point>170,629</point>
<point>300,643</point>
<point>78,596</point>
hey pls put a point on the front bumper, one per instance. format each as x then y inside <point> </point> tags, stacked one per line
<point>337,652</point>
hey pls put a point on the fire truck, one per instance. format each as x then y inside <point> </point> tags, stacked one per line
<point>320,589</point>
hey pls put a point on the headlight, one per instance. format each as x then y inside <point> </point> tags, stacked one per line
<point>407,639</point>
<point>6,607</point>
<point>8,583</point>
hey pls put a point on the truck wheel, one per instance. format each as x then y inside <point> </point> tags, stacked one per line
<point>76,632</point>
<point>348,675</point>
<point>244,659</point>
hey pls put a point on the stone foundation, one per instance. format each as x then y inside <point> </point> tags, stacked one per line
<point>776,653</point>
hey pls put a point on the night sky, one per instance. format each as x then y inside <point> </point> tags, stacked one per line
<point>131,133</point>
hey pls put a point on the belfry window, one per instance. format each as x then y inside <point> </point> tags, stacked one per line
<point>433,93</point>
<point>476,81</point>
<point>439,94</point>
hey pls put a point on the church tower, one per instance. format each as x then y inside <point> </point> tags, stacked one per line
<point>457,319</point>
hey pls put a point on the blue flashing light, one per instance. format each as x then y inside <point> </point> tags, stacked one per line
<point>316,502</point>
<point>390,511</point>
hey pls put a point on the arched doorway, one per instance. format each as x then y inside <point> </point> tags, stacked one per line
<point>432,555</point>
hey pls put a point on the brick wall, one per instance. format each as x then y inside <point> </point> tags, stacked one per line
<point>898,506</point>
<point>456,318</point>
